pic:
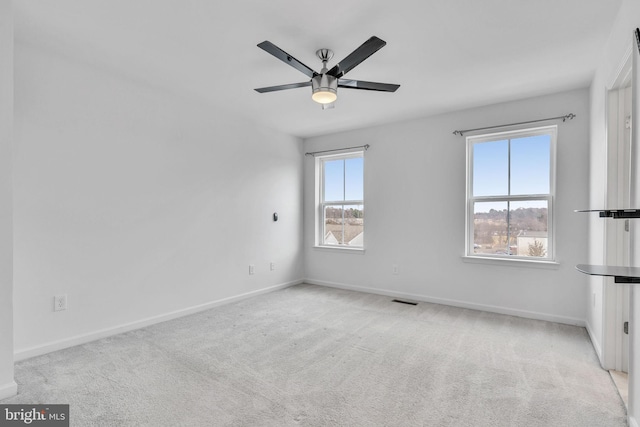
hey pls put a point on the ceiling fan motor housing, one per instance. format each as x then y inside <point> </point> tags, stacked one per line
<point>324,88</point>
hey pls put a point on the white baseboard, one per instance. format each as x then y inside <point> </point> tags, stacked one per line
<point>595,343</point>
<point>8,390</point>
<point>26,353</point>
<point>454,303</point>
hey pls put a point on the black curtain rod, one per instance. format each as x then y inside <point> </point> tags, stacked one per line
<point>569,116</point>
<point>366,147</point>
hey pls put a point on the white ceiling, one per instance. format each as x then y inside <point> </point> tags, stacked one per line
<point>446,54</point>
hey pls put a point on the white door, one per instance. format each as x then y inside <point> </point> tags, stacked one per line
<point>617,232</point>
<point>623,241</point>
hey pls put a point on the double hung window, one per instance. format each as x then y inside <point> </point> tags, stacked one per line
<point>510,192</point>
<point>341,200</point>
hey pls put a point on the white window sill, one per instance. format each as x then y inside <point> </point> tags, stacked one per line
<point>343,249</point>
<point>511,262</point>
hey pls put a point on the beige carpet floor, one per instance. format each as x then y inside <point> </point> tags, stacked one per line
<point>315,356</point>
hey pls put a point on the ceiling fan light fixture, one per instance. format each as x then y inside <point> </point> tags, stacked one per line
<point>324,89</point>
<point>324,96</point>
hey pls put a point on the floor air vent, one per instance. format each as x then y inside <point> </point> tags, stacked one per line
<point>405,302</point>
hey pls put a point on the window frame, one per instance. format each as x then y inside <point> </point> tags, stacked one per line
<point>552,131</point>
<point>321,204</point>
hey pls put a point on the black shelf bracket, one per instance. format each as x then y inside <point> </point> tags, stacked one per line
<point>615,213</point>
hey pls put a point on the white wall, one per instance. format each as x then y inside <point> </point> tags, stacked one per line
<point>415,215</point>
<point>139,204</point>
<point>7,386</point>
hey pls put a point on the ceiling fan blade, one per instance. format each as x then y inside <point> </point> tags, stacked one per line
<point>365,50</point>
<point>359,84</point>
<point>274,50</point>
<point>282,87</point>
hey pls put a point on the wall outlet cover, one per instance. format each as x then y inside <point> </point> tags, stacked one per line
<point>59,302</point>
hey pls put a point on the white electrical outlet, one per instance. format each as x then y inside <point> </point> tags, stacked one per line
<point>59,302</point>
<point>273,266</point>
<point>395,269</point>
<point>252,269</point>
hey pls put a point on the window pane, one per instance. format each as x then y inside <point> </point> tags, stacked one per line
<point>333,225</point>
<point>490,228</point>
<point>354,177</point>
<point>530,162</point>
<point>333,180</point>
<point>344,225</point>
<point>529,225</point>
<point>491,168</point>
<point>354,225</point>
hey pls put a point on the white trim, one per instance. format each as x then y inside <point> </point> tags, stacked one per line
<point>595,343</point>
<point>347,153</point>
<point>346,249</point>
<point>471,200</point>
<point>632,421</point>
<point>321,204</point>
<point>8,390</point>
<point>27,353</point>
<point>622,72</point>
<point>511,262</point>
<point>454,303</point>
<point>617,249</point>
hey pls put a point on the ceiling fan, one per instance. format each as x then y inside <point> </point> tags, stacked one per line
<point>325,84</point>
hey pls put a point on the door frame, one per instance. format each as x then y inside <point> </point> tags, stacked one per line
<point>615,354</point>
